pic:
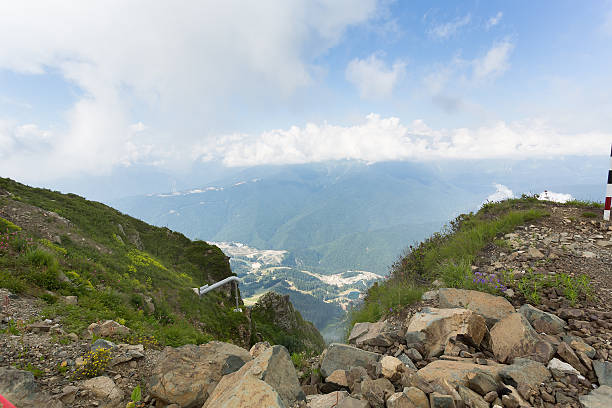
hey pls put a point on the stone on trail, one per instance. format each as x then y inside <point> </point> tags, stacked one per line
<point>567,354</point>
<point>108,328</point>
<point>603,370</point>
<point>562,367</point>
<point>417,397</point>
<point>20,388</point>
<point>471,399</point>
<point>542,322</point>
<point>598,398</point>
<point>482,383</point>
<point>104,388</point>
<point>524,371</point>
<point>377,391</point>
<point>492,308</point>
<point>272,367</point>
<point>399,400</point>
<point>434,327</point>
<point>372,334</point>
<point>437,400</point>
<point>391,366</point>
<point>513,337</point>
<point>456,372</point>
<point>326,400</point>
<point>187,375</point>
<point>343,357</point>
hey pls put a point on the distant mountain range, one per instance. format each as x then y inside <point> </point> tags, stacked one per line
<point>293,225</point>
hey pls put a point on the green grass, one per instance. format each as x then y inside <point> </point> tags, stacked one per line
<point>7,226</point>
<point>532,284</point>
<point>589,214</point>
<point>120,261</point>
<point>383,298</point>
<point>448,256</point>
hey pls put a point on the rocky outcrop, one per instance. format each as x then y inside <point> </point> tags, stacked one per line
<point>341,356</point>
<point>187,375</point>
<point>268,379</point>
<point>20,388</point>
<point>432,328</point>
<point>542,322</point>
<point>108,328</point>
<point>105,389</point>
<point>513,337</point>
<point>492,308</point>
<point>275,319</point>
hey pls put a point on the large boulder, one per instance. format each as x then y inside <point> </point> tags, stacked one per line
<point>187,375</point>
<point>105,389</point>
<point>372,334</point>
<point>525,371</point>
<point>492,308</point>
<point>603,370</point>
<point>377,391</point>
<point>21,389</point>
<point>542,322</point>
<point>434,327</point>
<point>272,367</point>
<point>456,372</point>
<point>513,337</point>
<point>598,398</point>
<point>245,392</point>
<point>108,328</point>
<point>343,357</point>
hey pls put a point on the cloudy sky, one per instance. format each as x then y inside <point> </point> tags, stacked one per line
<point>86,88</point>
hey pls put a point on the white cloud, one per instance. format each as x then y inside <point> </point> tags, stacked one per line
<point>174,61</point>
<point>493,21</point>
<point>494,62</point>
<point>373,78</point>
<point>501,193</point>
<point>449,29</point>
<point>384,139</point>
<point>556,197</point>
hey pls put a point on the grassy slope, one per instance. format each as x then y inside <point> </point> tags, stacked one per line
<point>448,256</point>
<point>137,261</point>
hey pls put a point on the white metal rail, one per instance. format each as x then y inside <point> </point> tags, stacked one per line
<point>207,288</point>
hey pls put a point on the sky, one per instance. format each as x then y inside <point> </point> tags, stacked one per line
<point>87,88</point>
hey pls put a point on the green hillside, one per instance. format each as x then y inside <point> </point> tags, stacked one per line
<point>54,245</point>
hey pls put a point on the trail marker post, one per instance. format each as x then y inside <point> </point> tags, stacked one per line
<point>608,201</point>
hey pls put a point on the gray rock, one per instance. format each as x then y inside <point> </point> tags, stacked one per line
<point>417,397</point>
<point>492,308</point>
<point>372,334</point>
<point>20,388</point>
<point>542,321</point>
<point>471,399</point>
<point>414,354</point>
<point>482,383</point>
<point>343,357</point>
<point>407,361</point>
<point>437,400</point>
<point>104,388</point>
<point>350,402</point>
<point>187,375</point>
<point>326,400</point>
<point>377,391</point>
<point>524,371</point>
<point>598,398</point>
<point>603,370</point>
<point>272,368</point>
<point>103,344</point>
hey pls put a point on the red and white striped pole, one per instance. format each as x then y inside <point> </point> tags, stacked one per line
<point>608,202</point>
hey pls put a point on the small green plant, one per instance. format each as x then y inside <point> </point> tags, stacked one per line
<point>530,286</point>
<point>37,372</point>
<point>62,367</point>
<point>95,362</point>
<point>14,327</point>
<point>135,398</point>
<point>7,226</point>
<point>589,214</point>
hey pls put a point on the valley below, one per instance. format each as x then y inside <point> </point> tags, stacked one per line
<point>322,299</point>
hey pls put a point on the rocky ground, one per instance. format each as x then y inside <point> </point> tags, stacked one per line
<point>455,348</point>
